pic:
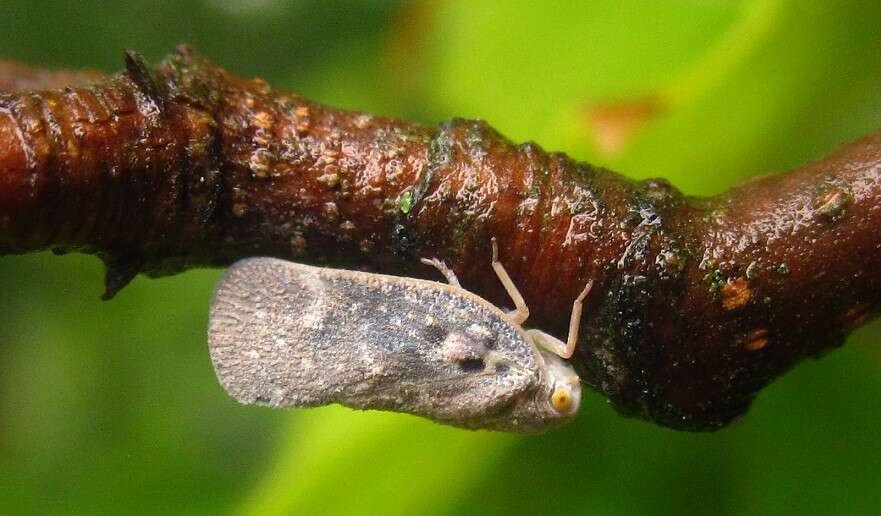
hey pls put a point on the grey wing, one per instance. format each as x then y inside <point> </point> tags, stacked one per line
<point>263,324</point>
<point>290,335</point>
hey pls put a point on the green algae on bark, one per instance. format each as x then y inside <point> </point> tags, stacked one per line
<point>697,303</point>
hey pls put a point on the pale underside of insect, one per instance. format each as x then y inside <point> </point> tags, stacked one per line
<point>284,334</point>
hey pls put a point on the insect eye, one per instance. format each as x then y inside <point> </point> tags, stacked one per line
<point>562,401</point>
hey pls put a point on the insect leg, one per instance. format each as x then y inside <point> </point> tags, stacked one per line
<point>446,271</point>
<point>521,311</point>
<point>555,345</point>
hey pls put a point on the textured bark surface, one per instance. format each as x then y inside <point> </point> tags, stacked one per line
<point>697,303</point>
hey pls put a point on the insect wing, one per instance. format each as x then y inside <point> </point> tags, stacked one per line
<point>290,335</point>
<point>255,331</point>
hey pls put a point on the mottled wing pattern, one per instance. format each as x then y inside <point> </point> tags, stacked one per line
<point>285,334</point>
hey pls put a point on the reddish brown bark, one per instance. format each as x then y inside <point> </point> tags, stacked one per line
<point>697,304</point>
<point>18,77</point>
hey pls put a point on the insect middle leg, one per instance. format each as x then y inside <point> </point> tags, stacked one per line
<point>521,311</point>
<point>555,345</point>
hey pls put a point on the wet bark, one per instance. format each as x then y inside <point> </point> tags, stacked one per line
<point>698,303</point>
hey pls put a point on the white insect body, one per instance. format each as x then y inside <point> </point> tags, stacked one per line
<point>284,334</point>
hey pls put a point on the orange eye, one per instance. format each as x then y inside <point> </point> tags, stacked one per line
<point>562,401</point>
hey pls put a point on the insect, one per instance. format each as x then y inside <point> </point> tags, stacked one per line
<point>284,334</point>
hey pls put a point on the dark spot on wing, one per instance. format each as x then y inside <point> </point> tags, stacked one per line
<point>489,343</point>
<point>471,365</point>
<point>501,367</point>
<point>435,333</point>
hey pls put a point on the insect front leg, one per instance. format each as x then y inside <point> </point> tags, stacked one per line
<point>555,345</point>
<point>521,311</point>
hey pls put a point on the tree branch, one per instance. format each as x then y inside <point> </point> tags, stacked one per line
<point>697,303</point>
<point>18,77</point>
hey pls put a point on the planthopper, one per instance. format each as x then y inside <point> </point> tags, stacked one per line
<point>283,334</point>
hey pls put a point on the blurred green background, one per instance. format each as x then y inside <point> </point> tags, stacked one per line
<point>112,407</point>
